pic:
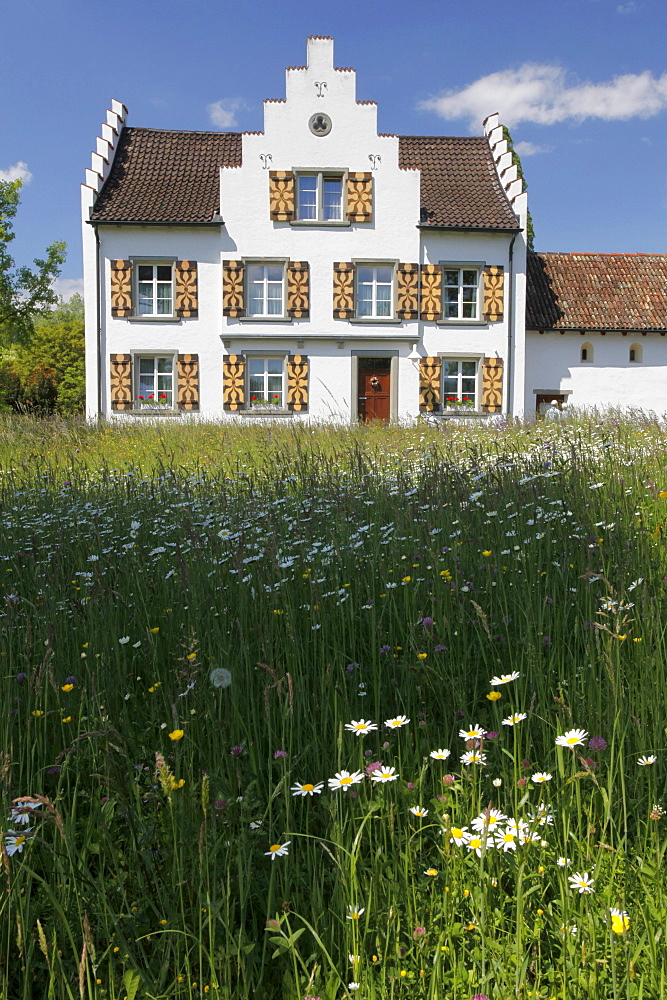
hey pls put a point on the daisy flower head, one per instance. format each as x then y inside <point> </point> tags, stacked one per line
<point>307,788</point>
<point>419,811</point>
<point>400,720</point>
<point>620,922</point>
<point>517,717</point>
<point>564,862</point>
<point>344,780</point>
<point>544,815</point>
<point>354,912</point>
<point>488,820</point>
<point>21,813</point>
<point>540,777</point>
<point>473,757</point>
<point>505,840</point>
<point>15,841</point>
<point>478,844</point>
<point>431,872</point>
<point>475,732</point>
<point>458,835</point>
<point>581,883</point>
<point>384,775</point>
<point>646,760</point>
<point>572,738</point>
<point>278,850</point>
<point>361,727</point>
<point>440,754</point>
<point>505,678</point>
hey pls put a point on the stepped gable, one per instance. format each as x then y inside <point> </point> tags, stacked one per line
<point>460,188</point>
<point>166,176</point>
<point>596,291</point>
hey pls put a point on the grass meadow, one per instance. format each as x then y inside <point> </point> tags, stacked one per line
<point>294,712</point>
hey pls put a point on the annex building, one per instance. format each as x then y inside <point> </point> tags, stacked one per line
<point>322,270</point>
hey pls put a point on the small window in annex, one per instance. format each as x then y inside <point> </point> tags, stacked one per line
<point>636,354</point>
<point>586,353</point>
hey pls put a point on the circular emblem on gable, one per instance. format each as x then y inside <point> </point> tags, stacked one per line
<point>320,124</point>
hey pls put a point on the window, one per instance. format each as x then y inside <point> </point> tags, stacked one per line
<point>319,197</point>
<point>155,383</point>
<point>266,382</point>
<point>636,355</point>
<point>460,297</point>
<point>155,290</point>
<point>265,289</point>
<point>459,388</point>
<point>587,353</point>
<point>374,291</point>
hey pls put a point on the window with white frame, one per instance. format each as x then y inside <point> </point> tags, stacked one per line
<point>319,197</point>
<point>154,382</point>
<point>460,293</point>
<point>374,291</point>
<point>265,290</point>
<point>266,381</point>
<point>155,289</point>
<point>460,383</point>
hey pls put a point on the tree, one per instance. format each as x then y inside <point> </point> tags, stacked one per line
<point>516,160</point>
<point>24,291</point>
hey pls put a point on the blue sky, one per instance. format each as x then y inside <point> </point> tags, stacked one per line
<point>581,83</point>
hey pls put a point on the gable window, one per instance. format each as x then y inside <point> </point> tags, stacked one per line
<point>155,382</point>
<point>155,290</point>
<point>374,291</point>
<point>319,197</point>
<point>265,289</point>
<point>461,293</point>
<point>459,385</point>
<point>266,381</point>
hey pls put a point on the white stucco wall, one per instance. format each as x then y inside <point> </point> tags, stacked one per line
<point>553,364</point>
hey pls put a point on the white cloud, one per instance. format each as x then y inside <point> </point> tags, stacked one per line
<point>18,172</point>
<point>627,8</point>
<point>542,93</point>
<point>223,113</point>
<point>530,148</point>
<point>67,287</point>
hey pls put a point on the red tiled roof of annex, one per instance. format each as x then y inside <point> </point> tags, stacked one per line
<point>596,291</point>
<point>169,176</point>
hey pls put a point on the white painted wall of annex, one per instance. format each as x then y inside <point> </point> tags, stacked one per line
<point>553,363</point>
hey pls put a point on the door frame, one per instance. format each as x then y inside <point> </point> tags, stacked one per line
<point>393,380</point>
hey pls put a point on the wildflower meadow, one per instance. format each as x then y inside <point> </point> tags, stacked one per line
<point>304,713</point>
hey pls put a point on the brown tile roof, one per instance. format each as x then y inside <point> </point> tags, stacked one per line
<point>459,183</point>
<point>596,291</point>
<point>164,176</point>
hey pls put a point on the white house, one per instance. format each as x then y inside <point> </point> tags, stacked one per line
<point>316,269</point>
<point>320,269</point>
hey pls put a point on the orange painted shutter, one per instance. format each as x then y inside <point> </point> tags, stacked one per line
<point>492,385</point>
<point>233,304</point>
<point>408,291</point>
<point>343,291</point>
<point>493,294</point>
<point>297,382</point>
<point>298,305</point>
<point>120,368</point>
<point>431,292</point>
<point>121,288</point>
<point>185,273</point>
<point>429,384</point>
<point>281,195</point>
<point>188,381</point>
<point>233,382</point>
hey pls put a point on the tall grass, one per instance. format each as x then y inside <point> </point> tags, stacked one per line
<point>337,576</point>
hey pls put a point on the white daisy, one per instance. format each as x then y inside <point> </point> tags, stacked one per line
<point>307,788</point>
<point>540,776</point>
<point>563,862</point>
<point>473,757</point>
<point>458,835</point>
<point>440,754</point>
<point>278,850</point>
<point>478,844</point>
<point>544,815</point>
<point>488,820</point>
<point>419,811</point>
<point>583,883</point>
<point>644,761</point>
<point>15,841</point>
<point>474,733</point>
<point>355,912</point>
<point>514,719</point>
<point>384,774</point>
<point>572,738</point>
<point>505,678</point>
<point>400,720</point>
<point>361,727</point>
<point>20,813</point>
<point>505,841</point>
<point>344,780</point>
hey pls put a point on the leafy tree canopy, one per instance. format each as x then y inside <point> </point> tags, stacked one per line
<point>24,291</point>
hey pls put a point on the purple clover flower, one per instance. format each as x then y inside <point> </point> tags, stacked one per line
<point>597,743</point>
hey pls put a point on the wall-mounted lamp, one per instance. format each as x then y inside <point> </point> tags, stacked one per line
<point>414,356</point>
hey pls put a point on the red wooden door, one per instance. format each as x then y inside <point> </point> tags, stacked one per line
<point>374,389</point>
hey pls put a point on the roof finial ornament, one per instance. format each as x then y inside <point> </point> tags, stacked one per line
<point>375,158</point>
<point>266,159</point>
<point>320,86</point>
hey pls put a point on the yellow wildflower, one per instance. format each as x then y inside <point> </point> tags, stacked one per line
<point>177,734</point>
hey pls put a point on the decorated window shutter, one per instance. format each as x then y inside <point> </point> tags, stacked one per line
<point>281,195</point>
<point>429,384</point>
<point>408,291</point>
<point>233,382</point>
<point>343,291</point>
<point>121,288</point>
<point>360,197</point>
<point>298,304</point>
<point>120,366</point>
<point>431,292</point>
<point>494,281</point>
<point>232,288</point>
<point>185,273</point>
<point>188,381</point>
<point>492,385</point>
<point>297,382</point>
